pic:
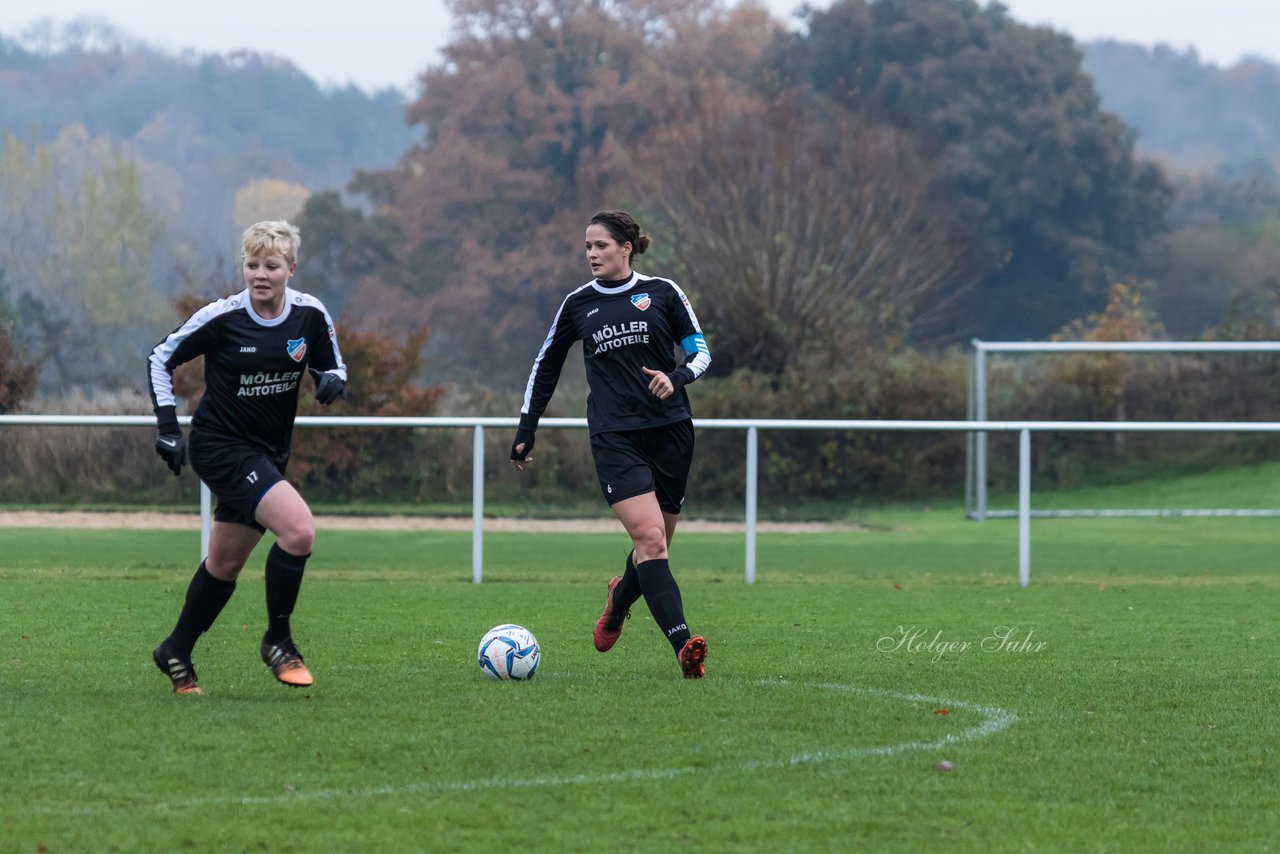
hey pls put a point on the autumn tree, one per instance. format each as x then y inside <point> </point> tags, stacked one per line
<point>383,379</point>
<point>804,231</point>
<point>531,123</point>
<point>1102,376</point>
<point>77,249</point>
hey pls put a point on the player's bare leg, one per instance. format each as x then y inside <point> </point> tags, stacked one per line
<point>207,594</point>
<point>622,593</point>
<point>230,545</point>
<point>284,512</point>
<point>651,531</point>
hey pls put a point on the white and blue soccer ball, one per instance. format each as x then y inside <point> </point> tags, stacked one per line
<point>509,652</point>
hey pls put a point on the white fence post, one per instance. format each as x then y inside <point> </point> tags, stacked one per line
<point>980,439</point>
<point>1024,507</point>
<point>753,457</point>
<point>206,519</point>
<point>477,504</point>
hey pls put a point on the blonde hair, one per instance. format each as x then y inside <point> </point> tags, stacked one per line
<point>272,237</point>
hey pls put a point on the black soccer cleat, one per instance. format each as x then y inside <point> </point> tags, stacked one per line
<point>181,672</point>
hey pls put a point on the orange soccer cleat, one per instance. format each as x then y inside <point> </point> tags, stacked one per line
<point>286,663</point>
<point>691,656</point>
<point>605,637</point>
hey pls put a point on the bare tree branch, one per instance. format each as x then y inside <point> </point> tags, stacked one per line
<point>801,231</point>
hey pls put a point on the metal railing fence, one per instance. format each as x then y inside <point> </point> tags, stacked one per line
<point>478,424</point>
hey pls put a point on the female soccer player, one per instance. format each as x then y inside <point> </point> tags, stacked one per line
<point>256,346</point>
<point>638,416</point>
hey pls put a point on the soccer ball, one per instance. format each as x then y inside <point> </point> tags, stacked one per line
<point>509,652</point>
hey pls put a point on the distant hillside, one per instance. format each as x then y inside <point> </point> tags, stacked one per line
<point>248,112</point>
<point>1195,116</point>
<point>127,174</point>
<point>201,127</point>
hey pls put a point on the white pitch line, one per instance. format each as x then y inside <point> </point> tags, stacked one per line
<point>994,720</point>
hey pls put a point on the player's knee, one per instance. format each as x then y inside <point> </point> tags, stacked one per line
<point>650,542</point>
<point>223,569</point>
<point>297,538</point>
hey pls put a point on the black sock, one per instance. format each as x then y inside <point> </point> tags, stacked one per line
<point>627,593</point>
<point>283,578</point>
<point>206,597</point>
<point>663,598</point>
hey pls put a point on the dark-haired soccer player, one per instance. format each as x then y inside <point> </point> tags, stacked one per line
<point>257,345</point>
<point>638,415</point>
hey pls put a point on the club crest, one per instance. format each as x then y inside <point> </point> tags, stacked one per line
<point>297,348</point>
<point>641,301</point>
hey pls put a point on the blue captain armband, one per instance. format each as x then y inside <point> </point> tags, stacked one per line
<point>695,344</point>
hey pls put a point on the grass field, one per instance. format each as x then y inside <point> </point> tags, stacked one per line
<point>1125,701</point>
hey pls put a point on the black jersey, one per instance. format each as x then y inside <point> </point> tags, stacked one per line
<point>252,366</point>
<point>623,328</point>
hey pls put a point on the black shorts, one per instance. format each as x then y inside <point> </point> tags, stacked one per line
<point>633,462</point>
<point>236,474</point>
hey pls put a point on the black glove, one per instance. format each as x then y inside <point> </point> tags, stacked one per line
<point>523,437</point>
<point>170,445</point>
<point>329,387</point>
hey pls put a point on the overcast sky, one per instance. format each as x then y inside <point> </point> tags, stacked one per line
<point>380,43</point>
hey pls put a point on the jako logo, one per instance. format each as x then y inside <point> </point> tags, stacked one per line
<point>641,301</point>
<point>297,348</point>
